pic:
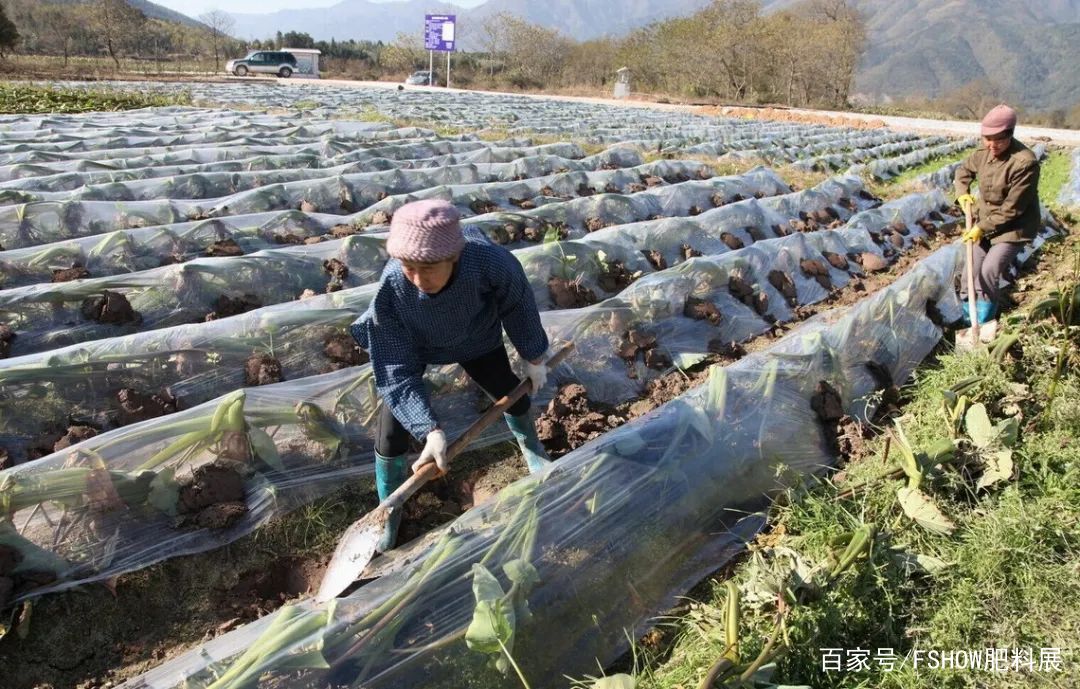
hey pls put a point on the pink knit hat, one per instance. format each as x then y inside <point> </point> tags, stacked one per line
<point>1000,119</point>
<point>425,232</point>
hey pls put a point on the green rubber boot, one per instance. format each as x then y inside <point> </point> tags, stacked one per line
<point>524,431</point>
<point>390,473</point>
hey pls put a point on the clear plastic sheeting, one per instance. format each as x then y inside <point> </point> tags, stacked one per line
<point>298,438</point>
<point>184,365</point>
<point>887,168</point>
<point>565,566</point>
<point>49,221</point>
<point>660,130</point>
<point>47,316</point>
<point>203,185</point>
<point>143,248</point>
<point>1070,191</point>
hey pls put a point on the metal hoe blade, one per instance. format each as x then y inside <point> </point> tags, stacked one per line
<point>354,551</point>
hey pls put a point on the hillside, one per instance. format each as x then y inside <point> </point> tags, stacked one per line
<point>929,48</point>
<point>917,47</point>
<point>151,10</point>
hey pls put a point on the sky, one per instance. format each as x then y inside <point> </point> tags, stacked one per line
<point>193,8</point>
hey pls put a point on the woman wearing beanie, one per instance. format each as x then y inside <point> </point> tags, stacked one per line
<point>1006,214</point>
<point>445,297</point>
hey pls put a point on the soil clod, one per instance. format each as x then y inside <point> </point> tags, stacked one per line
<point>224,247</point>
<point>570,294</point>
<point>262,369</point>
<point>342,351</point>
<point>572,419</point>
<point>615,277</point>
<point>74,435</point>
<point>225,306</point>
<point>689,252</point>
<point>785,286</point>
<point>110,308</point>
<point>816,270</point>
<point>702,310</point>
<point>836,260</point>
<point>137,406</point>
<point>731,241</point>
<point>75,272</point>
<point>212,496</point>
<point>655,258</point>
<point>7,334</point>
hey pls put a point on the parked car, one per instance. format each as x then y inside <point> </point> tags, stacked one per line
<point>277,62</point>
<point>422,77</point>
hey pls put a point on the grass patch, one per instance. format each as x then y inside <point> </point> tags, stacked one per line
<point>34,99</point>
<point>905,183</point>
<point>1053,174</point>
<point>1006,577</point>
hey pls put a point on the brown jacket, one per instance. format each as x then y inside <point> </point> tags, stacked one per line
<point>1008,207</point>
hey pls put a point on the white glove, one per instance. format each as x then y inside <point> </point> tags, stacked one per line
<point>537,373</point>
<point>434,451</point>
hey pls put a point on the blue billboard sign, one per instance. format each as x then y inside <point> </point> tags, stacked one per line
<point>439,30</point>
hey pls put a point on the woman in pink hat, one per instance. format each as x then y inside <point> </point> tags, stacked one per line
<point>1006,214</point>
<point>445,297</point>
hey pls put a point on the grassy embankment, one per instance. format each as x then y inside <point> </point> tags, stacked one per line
<point>986,553</point>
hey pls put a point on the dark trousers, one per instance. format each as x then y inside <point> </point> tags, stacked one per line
<point>491,372</point>
<point>992,263</point>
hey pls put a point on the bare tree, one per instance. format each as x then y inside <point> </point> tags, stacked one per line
<point>494,31</point>
<point>116,23</point>
<point>60,25</point>
<point>219,25</point>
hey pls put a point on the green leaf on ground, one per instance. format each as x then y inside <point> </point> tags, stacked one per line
<point>920,508</point>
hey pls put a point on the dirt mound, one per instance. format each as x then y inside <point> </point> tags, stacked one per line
<point>816,270</point>
<point>594,224</point>
<point>110,308</point>
<point>731,241</point>
<point>75,434</point>
<point>571,420</point>
<point>615,277</point>
<point>655,258</point>
<point>342,231</point>
<point>701,310</point>
<point>339,272</point>
<point>342,351</point>
<point>225,247</point>
<point>482,206</point>
<point>641,341</point>
<point>780,114</point>
<point>75,272</point>
<point>7,334</point>
<point>785,286</point>
<point>262,369</point>
<point>745,292</point>
<point>138,406</point>
<point>689,252</point>
<point>872,263</point>
<point>225,306</point>
<point>210,484</point>
<point>524,204</point>
<point>570,294</point>
<point>844,435</point>
<point>288,238</point>
<point>836,260</point>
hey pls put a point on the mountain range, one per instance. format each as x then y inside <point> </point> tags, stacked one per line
<point>1029,48</point>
